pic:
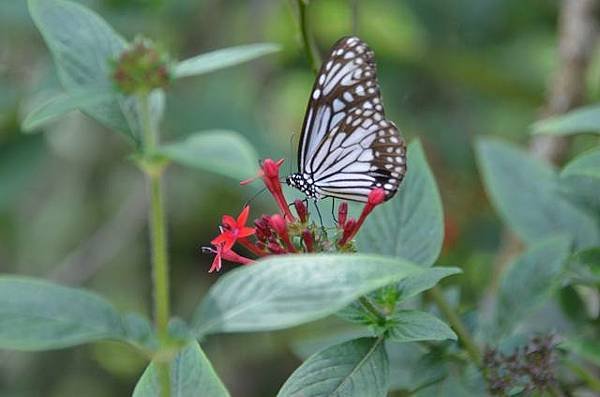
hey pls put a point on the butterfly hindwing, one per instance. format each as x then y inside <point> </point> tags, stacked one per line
<point>347,147</point>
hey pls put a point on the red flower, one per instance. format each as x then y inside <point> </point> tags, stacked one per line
<point>284,233</point>
<point>227,254</point>
<point>269,172</point>
<point>376,197</point>
<point>233,229</point>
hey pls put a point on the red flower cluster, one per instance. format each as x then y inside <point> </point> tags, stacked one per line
<point>284,233</point>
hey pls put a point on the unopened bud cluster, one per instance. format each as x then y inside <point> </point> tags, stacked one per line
<point>141,68</point>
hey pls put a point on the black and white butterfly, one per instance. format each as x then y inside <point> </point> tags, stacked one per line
<point>347,147</point>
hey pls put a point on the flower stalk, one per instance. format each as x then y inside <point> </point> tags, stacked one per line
<point>158,239</point>
<point>312,54</point>
<point>457,325</point>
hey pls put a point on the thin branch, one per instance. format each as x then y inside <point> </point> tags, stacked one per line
<point>354,12</point>
<point>578,33</point>
<point>577,38</point>
<point>457,325</point>
<point>312,53</point>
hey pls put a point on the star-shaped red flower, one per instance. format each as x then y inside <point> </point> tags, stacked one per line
<point>233,229</point>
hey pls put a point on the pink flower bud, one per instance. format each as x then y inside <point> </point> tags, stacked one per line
<point>342,214</point>
<point>309,240</point>
<point>278,224</point>
<point>376,197</point>
<point>301,210</point>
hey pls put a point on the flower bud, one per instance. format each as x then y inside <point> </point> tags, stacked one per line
<point>301,210</point>
<point>278,224</point>
<point>348,231</point>
<point>376,197</point>
<point>141,68</point>
<point>309,240</point>
<point>342,214</point>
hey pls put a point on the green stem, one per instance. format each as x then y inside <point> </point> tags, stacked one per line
<point>370,307</point>
<point>585,375</point>
<point>160,267</point>
<point>312,54</point>
<point>158,240</point>
<point>456,323</point>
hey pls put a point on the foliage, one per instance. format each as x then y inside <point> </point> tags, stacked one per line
<point>375,320</point>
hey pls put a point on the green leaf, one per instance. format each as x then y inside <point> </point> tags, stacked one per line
<point>191,375</point>
<point>82,44</point>
<point>526,194</point>
<point>224,152</point>
<point>38,315</point>
<point>529,281</point>
<point>584,267</point>
<point>355,368</point>
<point>414,325</point>
<point>223,58</point>
<point>62,104</point>
<point>284,291</point>
<point>415,284</point>
<point>586,164</point>
<point>584,119</point>
<point>411,225</point>
<point>585,348</point>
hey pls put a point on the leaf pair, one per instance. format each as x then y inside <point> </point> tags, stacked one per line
<point>82,44</point>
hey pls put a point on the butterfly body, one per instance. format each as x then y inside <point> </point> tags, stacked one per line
<point>347,147</point>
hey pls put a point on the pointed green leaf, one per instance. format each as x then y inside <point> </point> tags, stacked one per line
<point>38,315</point>
<point>357,368</point>
<point>586,164</point>
<point>82,44</point>
<point>410,225</point>
<point>418,283</point>
<point>224,152</point>
<point>283,291</point>
<point>529,281</point>
<point>62,104</point>
<point>414,325</point>
<point>223,58</point>
<point>525,192</point>
<point>584,119</point>
<point>192,375</point>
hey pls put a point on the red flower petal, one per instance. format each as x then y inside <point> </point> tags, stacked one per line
<point>216,264</point>
<point>245,232</point>
<point>243,217</point>
<point>229,221</point>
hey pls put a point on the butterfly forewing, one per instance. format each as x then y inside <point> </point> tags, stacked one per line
<point>347,147</point>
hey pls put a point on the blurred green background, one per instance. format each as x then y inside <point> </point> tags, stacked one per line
<point>72,204</point>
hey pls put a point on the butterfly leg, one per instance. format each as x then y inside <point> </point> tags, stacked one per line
<point>333,210</point>
<point>319,213</point>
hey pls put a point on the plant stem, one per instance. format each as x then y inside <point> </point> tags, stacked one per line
<point>456,323</point>
<point>158,240</point>
<point>160,267</point>
<point>370,307</point>
<point>585,375</point>
<point>312,54</point>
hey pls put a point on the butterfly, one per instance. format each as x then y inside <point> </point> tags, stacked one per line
<point>347,147</point>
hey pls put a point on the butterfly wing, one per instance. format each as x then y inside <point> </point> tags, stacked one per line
<point>347,147</point>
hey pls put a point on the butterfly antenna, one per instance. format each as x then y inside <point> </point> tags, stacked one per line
<point>261,191</point>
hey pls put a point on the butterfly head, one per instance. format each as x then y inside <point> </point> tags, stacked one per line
<point>304,183</point>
